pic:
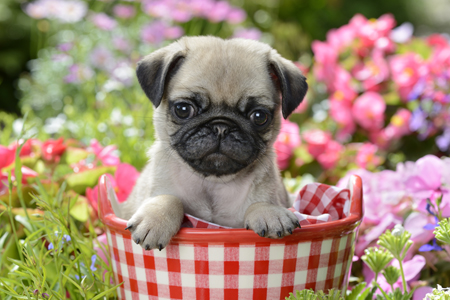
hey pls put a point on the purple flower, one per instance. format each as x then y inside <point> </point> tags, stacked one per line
<point>66,238</point>
<point>248,33</point>
<point>402,33</point>
<point>36,291</point>
<point>103,21</point>
<point>417,90</point>
<point>219,12</point>
<point>92,267</point>
<point>50,246</point>
<point>428,247</point>
<point>65,47</point>
<point>418,119</point>
<point>158,31</point>
<point>443,141</point>
<point>124,11</point>
<point>101,58</point>
<point>78,74</point>
<point>121,44</point>
<point>45,295</point>
<point>236,16</point>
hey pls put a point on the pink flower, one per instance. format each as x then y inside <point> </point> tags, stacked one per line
<point>123,182</point>
<point>124,11</point>
<point>415,223</point>
<point>100,244</point>
<point>107,154</point>
<point>399,125</point>
<point>157,31</point>
<point>78,74</point>
<point>103,21</point>
<point>341,112</point>
<point>341,37</point>
<point>236,16</point>
<point>219,11</point>
<point>101,57</point>
<point>317,141</point>
<point>248,33</point>
<point>406,70</point>
<point>329,158</point>
<point>368,111</point>
<point>52,150</point>
<point>367,156</point>
<point>288,139</point>
<point>7,156</point>
<point>372,72</point>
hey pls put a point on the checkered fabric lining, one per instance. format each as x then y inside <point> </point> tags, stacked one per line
<point>229,271</point>
<point>315,203</point>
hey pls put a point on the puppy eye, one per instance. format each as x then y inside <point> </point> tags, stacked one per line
<point>184,110</point>
<point>259,117</point>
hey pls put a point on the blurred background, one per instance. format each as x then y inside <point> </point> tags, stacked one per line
<point>289,26</point>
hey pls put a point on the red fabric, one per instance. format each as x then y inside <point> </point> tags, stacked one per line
<point>315,203</point>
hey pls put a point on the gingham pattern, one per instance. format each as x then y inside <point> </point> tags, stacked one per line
<point>315,203</point>
<point>229,271</point>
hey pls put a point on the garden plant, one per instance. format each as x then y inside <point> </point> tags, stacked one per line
<point>378,106</point>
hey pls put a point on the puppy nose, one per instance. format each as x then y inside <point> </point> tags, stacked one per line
<point>221,129</point>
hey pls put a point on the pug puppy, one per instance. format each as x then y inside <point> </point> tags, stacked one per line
<point>217,115</point>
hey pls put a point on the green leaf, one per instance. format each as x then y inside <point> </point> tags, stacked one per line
<point>80,181</point>
<point>356,292</point>
<point>107,291</point>
<point>73,155</point>
<point>80,209</point>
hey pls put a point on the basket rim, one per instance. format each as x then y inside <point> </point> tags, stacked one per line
<point>311,232</point>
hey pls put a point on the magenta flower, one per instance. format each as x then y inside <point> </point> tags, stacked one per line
<point>317,141</point>
<point>106,155</point>
<point>341,37</point>
<point>368,111</point>
<point>247,33</point>
<point>341,112</point>
<point>367,156</point>
<point>329,158</point>
<point>372,72</point>
<point>124,11</point>
<point>103,21</point>
<point>415,224</point>
<point>123,182</point>
<point>288,139</point>
<point>406,70</point>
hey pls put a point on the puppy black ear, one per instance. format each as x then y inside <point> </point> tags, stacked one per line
<point>154,71</point>
<point>290,80</point>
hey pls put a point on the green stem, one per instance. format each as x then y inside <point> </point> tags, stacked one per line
<point>403,275</point>
<point>382,291</point>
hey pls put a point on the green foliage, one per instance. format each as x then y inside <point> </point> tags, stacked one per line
<point>392,274</point>
<point>49,253</point>
<point>377,258</point>
<point>311,295</point>
<point>442,232</point>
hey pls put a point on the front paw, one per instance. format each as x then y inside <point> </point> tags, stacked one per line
<point>156,221</point>
<point>268,220</point>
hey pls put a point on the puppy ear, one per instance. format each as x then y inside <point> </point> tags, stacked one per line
<point>154,71</point>
<point>290,81</point>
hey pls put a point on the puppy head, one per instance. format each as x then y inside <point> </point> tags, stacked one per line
<point>218,101</point>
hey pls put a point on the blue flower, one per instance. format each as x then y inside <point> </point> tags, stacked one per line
<point>428,247</point>
<point>67,238</point>
<point>93,258</point>
<point>50,246</point>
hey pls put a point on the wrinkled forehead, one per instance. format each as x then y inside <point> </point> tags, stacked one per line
<point>227,75</point>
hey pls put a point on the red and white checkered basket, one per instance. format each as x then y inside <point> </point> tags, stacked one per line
<point>233,264</point>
